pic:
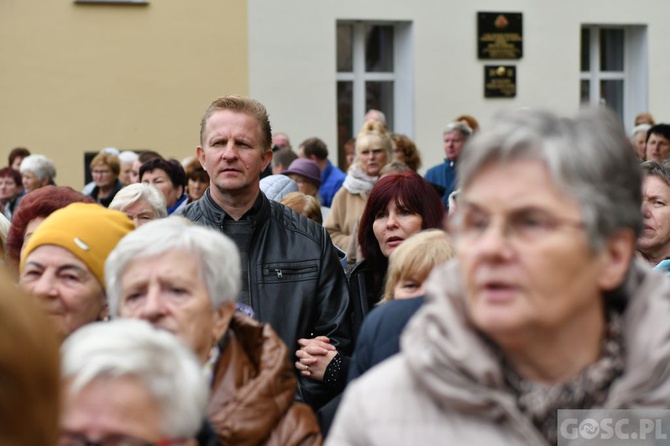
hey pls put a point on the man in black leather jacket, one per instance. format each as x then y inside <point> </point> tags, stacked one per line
<point>292,277</point>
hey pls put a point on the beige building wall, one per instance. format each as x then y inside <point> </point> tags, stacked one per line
<point>77,78</point>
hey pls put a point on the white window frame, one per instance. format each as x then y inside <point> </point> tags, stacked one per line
<point>402,75</point>
<point>634,74</point>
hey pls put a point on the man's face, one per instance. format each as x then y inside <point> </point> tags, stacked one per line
<point>160,179</point>
<point>658,147</point>
<point>654,242</point>
<point>281,141</point>
<point>232,153</point>
<point>453,144</point>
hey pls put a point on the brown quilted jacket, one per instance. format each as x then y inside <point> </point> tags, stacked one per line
<point>253,389</point>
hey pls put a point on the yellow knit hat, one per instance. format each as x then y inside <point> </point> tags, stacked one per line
<point>89,231</point>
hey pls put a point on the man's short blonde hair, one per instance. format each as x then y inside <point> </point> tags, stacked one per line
<point>240,104</point>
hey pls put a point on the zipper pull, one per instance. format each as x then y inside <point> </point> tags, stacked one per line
<point>279,273</point>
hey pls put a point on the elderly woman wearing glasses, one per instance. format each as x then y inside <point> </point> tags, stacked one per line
<point>545,306</point>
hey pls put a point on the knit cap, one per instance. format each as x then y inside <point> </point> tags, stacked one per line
<point>89,231</point>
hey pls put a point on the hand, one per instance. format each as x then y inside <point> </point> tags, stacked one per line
<point>314,357</point>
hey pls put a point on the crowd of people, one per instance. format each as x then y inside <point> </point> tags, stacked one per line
<point>252,294</point>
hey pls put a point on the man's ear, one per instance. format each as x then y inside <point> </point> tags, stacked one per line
<point>615,259</point>
<point>200,153</point>
<point>267,159</point>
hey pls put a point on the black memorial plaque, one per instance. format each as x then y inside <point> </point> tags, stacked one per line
<point>499,81</point>
<point>499,35</point>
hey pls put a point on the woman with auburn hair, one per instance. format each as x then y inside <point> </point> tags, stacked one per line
<point>405,151</point>
<point>400,205</point>
<point>29,388</point>
<point>32,211</point>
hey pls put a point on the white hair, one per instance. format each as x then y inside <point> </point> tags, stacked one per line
<point>110,150</point>
<point>462,127</point>
<point>133,193</point>
<point>217,256</point>
<point>376,114</point>
<point>40,165</point>
<point>128,157</point>
<point>640,128</point>
<point>162,363</point>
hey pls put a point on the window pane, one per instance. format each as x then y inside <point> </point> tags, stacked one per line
<point>345,117</point>
<point>585,94</point>
<point>345,48</point>
<point>611,95</point>
<point>378,48</point>
<point>379,95</point>
<point>586,49</point>
<point>611,49</point>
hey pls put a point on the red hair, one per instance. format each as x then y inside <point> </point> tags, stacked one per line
<point>38,204</point>
<point>409,191</point>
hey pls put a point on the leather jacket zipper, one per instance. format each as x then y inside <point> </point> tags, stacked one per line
<point>279,272</point>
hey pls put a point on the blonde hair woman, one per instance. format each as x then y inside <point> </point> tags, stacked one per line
<point>412,262</point>
<point>304,204</point>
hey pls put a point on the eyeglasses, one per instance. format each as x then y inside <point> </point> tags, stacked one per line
<point>75,439</point>
<point>526,226</point>
<point>101,172</point>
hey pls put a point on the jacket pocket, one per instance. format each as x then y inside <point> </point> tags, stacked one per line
<point>290,271</point>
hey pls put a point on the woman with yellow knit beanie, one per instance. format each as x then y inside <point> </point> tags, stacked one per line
<point>62,265</point>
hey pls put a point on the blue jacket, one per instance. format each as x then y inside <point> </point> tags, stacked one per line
<point>379,337</point>
<point>331,181</point>
<point>443,175</point>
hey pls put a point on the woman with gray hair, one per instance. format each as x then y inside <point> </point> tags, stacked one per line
<point>185,279</point>
<point>545,306</point>
<point>141,202</point>
<point>37,171</point>
<point>127,383</point>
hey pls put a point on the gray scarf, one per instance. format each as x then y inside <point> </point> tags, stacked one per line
<point>357,182</point>
<point>589,389</point>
